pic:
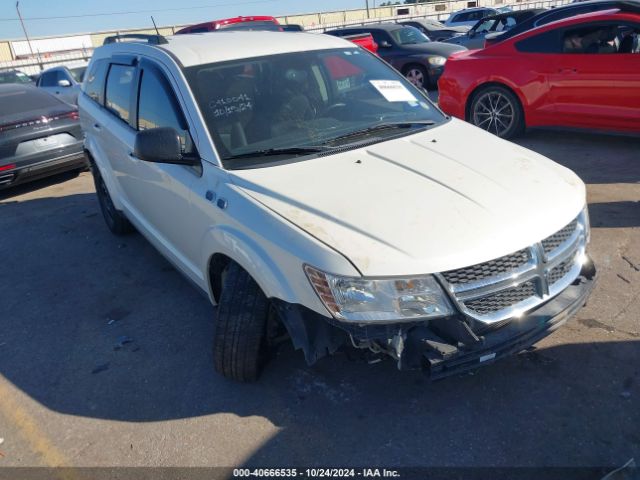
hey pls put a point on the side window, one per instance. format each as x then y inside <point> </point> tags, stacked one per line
<point>380,37</point>
<point>461,17</point>
<point>94,81</point>
<point>547,42</point>
<point>158,107</point>
<point>600,39</point>
<point>118,96</point>
<point>49,79</point>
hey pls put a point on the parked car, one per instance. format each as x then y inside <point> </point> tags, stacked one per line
<point>471,16</point>
<point>310,190</point>
<point>560,13</point>
<point>408,50</point>
<point>39,135</point>
<point>579,72</point>
<point>435,30</point>
<point>502,22</point>
<point>64,82</point>
<point>236,23</point>
<point>14,76</point>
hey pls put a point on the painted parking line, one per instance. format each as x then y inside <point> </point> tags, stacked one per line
<point>35,437</point>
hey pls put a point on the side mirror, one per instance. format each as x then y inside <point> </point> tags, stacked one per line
<point>385,44</point>
<point>161,145</point>
<point>64,83</point>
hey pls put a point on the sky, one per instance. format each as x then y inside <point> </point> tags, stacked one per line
<point>83,16</point>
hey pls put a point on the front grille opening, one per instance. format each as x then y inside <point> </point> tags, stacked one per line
<point>502,300</point>
<point>489,269</point>
<point>560,271</point>
<point>554,241</point>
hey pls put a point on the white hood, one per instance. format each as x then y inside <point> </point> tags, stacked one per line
<point>442,199</point>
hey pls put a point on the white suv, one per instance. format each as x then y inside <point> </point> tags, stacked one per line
<point>311,192</point>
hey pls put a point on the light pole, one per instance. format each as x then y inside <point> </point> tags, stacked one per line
<point>24,29</point>
<point>367,4</point>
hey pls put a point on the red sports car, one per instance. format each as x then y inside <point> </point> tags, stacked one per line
<point>581,72</point>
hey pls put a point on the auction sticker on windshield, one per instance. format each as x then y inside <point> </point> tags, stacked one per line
<point>393,90</point>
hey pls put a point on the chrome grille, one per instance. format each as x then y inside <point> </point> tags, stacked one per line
<point>500,289</point>
<point>489,269</point>
<point>501,300</point>
<point>561,270</point>
<point>554,241</point>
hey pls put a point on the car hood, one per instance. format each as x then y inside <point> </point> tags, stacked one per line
<point>460,29</point>
<point>422,203</point>
<point>433,48</point>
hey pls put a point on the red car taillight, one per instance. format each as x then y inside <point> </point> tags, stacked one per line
<point>73,115</point>
<point>4,168</point>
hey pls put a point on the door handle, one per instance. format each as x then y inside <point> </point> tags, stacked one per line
<point>567,70</point>
<point>96,126</point>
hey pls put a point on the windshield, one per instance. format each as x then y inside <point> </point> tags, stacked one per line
<point>78,73</point>
<point>314,100</point>
<point>409,36</point>
<point>13,76</point>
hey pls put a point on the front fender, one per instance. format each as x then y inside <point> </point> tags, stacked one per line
<point>250,255</point>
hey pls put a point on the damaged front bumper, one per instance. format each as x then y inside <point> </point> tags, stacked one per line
<point>442,347</point>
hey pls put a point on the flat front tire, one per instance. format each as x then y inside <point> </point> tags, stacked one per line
<point>497,110</point>
<point>240,343</point>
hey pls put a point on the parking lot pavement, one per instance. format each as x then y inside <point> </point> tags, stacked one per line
<point>105,357</point>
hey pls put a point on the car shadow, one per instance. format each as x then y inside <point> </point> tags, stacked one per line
<point>40,184</point>
<point>103,327</point>
<point>615,214</point>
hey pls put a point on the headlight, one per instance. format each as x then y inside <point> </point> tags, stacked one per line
<point>384,300</point>
<point>437,61</point>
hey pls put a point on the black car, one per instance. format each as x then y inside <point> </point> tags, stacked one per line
<point>39,135</point>
<point>14,76</point>
<point>562,12</point>
<point>502,22</point>
<point>435,30</point>
<point>408,50</point>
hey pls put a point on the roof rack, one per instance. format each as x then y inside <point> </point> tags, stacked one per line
<point>152,39</point>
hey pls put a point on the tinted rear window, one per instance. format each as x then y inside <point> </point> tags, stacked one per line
<point>118,96</point>
<point>16,101</point>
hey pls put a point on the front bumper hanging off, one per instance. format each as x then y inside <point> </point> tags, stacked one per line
<point>442,347</point>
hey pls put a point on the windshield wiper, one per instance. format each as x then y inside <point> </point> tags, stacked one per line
<point>270,152</point>
<point>384,126</point>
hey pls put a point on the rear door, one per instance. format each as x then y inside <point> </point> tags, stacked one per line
<point>597,80</point>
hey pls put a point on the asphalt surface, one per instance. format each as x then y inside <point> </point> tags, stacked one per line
<point>105,357</point>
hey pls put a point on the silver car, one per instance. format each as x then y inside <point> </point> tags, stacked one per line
<point>63,82</point>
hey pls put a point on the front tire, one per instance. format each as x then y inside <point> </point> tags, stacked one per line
<point>497,110</point>
<point>417,75</point>
<point>240,343</point>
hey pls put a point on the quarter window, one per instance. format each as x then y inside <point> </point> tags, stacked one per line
<point>118,97</point>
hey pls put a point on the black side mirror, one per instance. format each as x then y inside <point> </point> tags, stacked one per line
<point>385,44</point>
<point>161,145</point>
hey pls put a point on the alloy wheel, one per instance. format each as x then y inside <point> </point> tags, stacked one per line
<point>493,112</point>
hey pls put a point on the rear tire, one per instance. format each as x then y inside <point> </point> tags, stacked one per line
<point>497,110</point>
<point>115,219</point>
<point>240,346</point>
